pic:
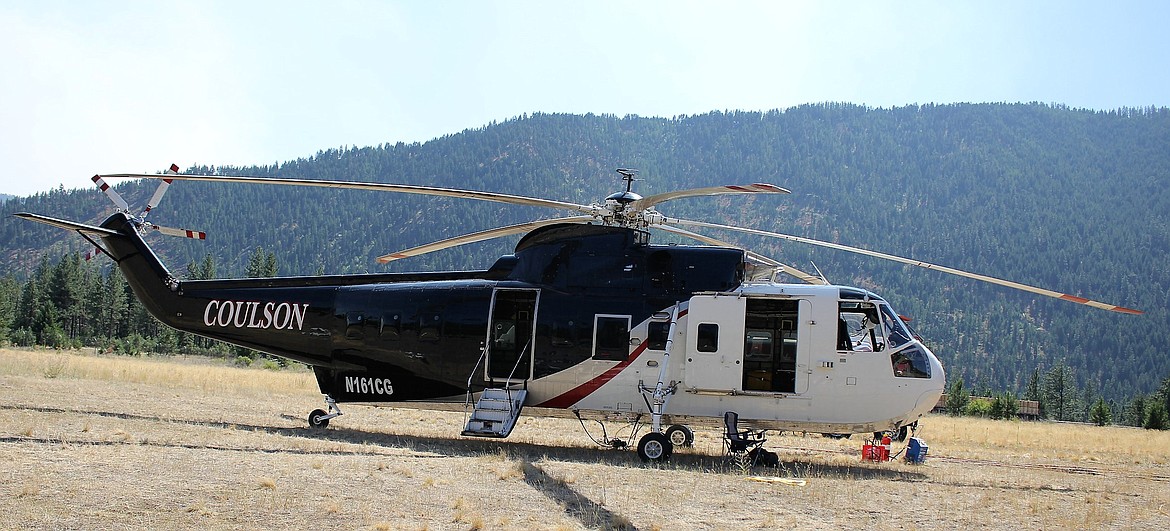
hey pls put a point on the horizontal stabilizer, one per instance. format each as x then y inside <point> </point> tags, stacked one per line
<point>66,224</point>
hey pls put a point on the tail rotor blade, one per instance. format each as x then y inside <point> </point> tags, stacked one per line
<point>160,191</point>
<point>111,193</point>
<point>182,233</point>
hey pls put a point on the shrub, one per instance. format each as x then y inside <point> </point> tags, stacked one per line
<point>1004,406</point>
<point>978,407</point>
<point>23,337</point>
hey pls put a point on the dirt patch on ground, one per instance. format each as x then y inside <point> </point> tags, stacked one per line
<point>100,453</point>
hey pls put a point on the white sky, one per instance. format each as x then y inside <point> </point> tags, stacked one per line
<point>129,86</point>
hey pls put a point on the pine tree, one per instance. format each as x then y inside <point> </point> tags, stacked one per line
<point>1100,414</point>
<point>262,264</point>
<point>9,294</point>
<point>1156,417</point>
<point>957,397</point>
<point>1060,393</point>
<point>1135,412</point>
<point>1004,406</point>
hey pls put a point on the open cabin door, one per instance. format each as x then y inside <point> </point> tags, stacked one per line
<point>715,341</point>
<point>511,335</point>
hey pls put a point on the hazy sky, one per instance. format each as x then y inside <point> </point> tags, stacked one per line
<point>103,87</point>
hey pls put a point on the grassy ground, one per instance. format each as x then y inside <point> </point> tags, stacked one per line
<point>112,442</point>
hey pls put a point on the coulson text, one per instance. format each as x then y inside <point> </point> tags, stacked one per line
<point>255,314</point>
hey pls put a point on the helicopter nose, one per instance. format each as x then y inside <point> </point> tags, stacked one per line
<point>936,369</point>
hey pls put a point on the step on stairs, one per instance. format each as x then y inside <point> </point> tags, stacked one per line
<point>495,413</point>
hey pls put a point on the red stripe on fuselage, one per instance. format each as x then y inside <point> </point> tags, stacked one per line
<point>575,394</point>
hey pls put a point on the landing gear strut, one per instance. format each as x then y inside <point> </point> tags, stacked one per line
<point>319,419</point>
<point>656,445</point>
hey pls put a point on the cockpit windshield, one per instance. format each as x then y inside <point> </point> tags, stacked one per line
<point>895,330</point>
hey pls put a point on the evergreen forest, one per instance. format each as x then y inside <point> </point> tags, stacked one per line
<point>1072,200</point>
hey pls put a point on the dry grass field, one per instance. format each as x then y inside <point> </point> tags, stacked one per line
<point>93,442</point>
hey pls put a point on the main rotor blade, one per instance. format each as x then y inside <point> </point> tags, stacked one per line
<point>768,262</point>
<point>478,237</point>
<point>757,188</point>
<point>384,187</point>
<point>926,265</point>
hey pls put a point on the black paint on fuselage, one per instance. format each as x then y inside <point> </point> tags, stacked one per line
<point>419,336</point>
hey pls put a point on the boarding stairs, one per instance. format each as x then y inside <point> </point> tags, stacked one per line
<point>498,408</point>
<point>495,412</point>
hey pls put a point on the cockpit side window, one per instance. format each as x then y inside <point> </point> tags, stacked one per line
<point>857,327</point>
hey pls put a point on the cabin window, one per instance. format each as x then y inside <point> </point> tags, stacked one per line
<point>611,337</point>
<point>657,334</point>
<point>391,327</point>
<point>353,325</point>
<point>429,327</point>
<point>708,340</point>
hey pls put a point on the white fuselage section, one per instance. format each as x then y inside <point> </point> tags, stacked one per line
<point>782,356</point>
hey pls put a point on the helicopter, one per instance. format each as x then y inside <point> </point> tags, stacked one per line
<point>586,317</point>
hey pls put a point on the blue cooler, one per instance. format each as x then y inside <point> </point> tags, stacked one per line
<point>916,452</point>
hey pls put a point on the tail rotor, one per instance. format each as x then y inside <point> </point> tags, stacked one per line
<point>139,220</point>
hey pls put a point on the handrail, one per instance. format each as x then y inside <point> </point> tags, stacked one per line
<point>467,398</point>
<point>517,366</point>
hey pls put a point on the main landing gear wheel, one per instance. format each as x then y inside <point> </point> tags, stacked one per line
<point>317,419</point>
<point>654,447</point>
<point>680,436</point>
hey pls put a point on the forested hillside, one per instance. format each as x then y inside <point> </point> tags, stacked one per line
<point>1072,200</point>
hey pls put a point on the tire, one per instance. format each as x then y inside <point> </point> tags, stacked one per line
<point>837,435</point>
<point>901,434</point>
<point>680,436</point>
<point>316,421</point>
<point>654,447</point>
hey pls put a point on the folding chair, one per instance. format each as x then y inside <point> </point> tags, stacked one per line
<point>739,444</point>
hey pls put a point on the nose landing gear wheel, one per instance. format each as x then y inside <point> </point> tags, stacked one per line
<point>654,447</point>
